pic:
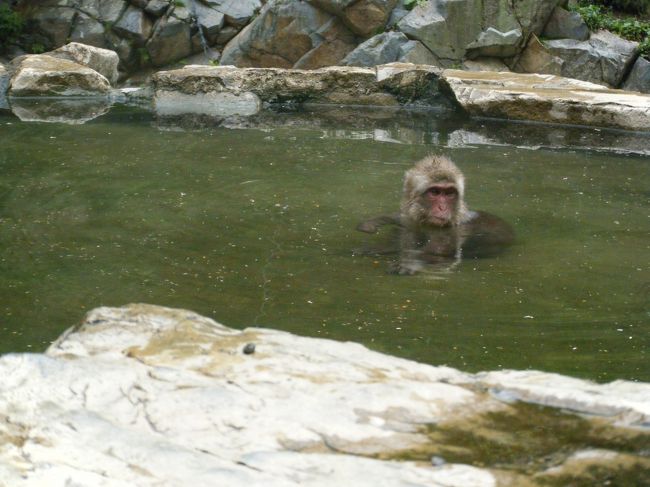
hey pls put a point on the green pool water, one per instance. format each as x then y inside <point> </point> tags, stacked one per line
<point>255,226</point>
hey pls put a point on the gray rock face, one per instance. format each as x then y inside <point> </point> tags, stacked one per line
<point>639,77</point>
<point>88,31</point>
<point>485,64</point>
<point>547,98</point>
<point>171,42</point>
<point>380,49</point>
<point>415,52</point>
<point>135,25</point>
<point>103,61</point>
<point>157,7</point>
<point>210,20</point>
<point>566,25</point>
<point>290,34</point>
<point>54,23</point>
<point>493,43</point>
<point>237,12</point>
<point>445,27</point>
<point>43,75</point>
<point>363,17</point>
<point>604,58</point>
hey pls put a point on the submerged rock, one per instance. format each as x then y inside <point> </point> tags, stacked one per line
<point>151,396</point>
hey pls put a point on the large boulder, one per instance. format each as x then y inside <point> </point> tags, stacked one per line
<point>639,77</point>
<point>449,28</point>
<point>547,98</point>
<point>566,25</point>
<point>135,25</point>
<point>604,58</point>
<point>40,74</point>
<point>104,61</point>
<point>445,27</point>
<point>363,17</point>
<point>290,34</point>
<point>149,396</point>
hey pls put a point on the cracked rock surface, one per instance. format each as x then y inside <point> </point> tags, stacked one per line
<point>150,396</point>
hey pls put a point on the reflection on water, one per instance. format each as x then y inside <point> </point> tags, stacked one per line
<point>256,226</point>
<point>72,111</point>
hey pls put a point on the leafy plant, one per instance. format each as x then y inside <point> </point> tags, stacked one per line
<point>37,48</point>
<point>11,25</point>
<point>598,17</point>
<point>628,6</point>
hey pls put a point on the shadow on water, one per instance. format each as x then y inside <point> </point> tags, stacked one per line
<point>251,221</point>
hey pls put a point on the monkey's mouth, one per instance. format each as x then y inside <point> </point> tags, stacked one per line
<point>437,221</point>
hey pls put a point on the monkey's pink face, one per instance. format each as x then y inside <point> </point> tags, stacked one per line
<point>442,202</point>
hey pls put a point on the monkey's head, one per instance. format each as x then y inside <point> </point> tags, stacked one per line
<point>433,193</point>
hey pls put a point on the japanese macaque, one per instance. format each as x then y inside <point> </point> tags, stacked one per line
<point>435,226</point>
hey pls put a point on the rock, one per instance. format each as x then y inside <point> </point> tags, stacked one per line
<point>396,15</point>
<point>103,61</point>
<point>109,12</point>
<point>338,85</point>
<point>135,25</point>
<point>413,84</point>
<point>151,396</point>
<point>445,27</point>
<point>380,49</point>
<point>415,52</point>
<point>566,25</point>
<point>493,43</point>
<point>363,17</point>
<point>53,22</point>
<point>5,76</point>
<point>547,98</point>
<point>157,8</point>
<point>532,15</point>
<point>536,58</point>
<point>171,42</point>
<point>290,34</point>
<point>210,20</point>
<point>485,64</point>
<point>448,27</point>
<point>43,75</point>
<point>88,31</point>
<point>639,77</point>
<point>603,59</point>
<point>237,12</point>
<point>225,35</point>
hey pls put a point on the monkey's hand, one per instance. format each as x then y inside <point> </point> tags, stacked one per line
<point>405,268</point>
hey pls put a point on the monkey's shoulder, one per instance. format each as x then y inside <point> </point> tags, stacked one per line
<point>485,234</point>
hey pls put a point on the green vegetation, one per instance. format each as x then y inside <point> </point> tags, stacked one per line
<point>11,25</point>
<point>411,4</point>
<point>629,6</point>
<point>599,17</point>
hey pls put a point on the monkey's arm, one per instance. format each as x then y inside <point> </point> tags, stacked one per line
<point>373,224</point>
<point>410,254</point>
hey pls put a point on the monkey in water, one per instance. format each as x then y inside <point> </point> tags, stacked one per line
<point>435,226</point>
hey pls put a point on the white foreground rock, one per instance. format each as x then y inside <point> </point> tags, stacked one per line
<point>150,396</point>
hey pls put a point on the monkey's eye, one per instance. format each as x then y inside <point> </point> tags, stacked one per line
<point>435,191</point>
